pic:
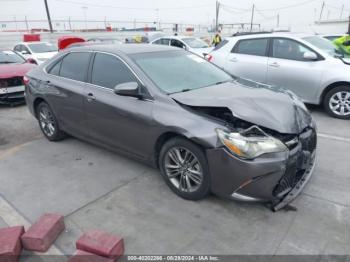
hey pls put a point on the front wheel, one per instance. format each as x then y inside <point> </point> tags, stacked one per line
<point>48,123</point>
<point>337,102</point>
<point>184,167</point>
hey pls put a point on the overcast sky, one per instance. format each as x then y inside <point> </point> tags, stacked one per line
<point>181,11</point>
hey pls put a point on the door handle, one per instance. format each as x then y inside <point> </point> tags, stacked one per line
<point>234,59</point>
<point>274,64</point>
<point>90,97</point>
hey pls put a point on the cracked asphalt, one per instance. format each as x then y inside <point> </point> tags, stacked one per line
<point>98,189</point>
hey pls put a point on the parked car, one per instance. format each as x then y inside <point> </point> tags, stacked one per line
<point>192,44</point>
<point>39,51</point>
<point>205,130</point>
<point>12,69</point>
<point>105,40</point>
<point>308,65</point>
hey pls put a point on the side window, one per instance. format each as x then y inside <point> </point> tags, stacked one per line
<point>158,42</point>
<point>55,69</point>
<point>75,65</point>
<point>17,48</point>
<point>24,48</point>
<point>288,49</point>
<point>177,43</point>
<point>165,41</point>
<point>108,71</point>
<point>257,47</point>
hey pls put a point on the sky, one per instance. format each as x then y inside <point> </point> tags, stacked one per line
<point>292,13</point>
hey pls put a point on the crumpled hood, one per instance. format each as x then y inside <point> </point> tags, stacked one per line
<point>12,70</point>
<point>277,110</point>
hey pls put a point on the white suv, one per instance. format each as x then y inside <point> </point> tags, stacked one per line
<point>308,65</point>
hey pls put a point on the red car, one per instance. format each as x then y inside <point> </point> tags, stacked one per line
<point>13,67</point>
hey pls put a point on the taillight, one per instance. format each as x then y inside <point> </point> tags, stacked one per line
<point>209,57</point>
<point>26,80</point>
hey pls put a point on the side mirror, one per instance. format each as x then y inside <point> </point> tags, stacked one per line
<point>311,56</point>
<point>128,89</point>
<point>31,61</point>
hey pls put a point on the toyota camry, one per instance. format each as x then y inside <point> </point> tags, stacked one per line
<point>206,131</point>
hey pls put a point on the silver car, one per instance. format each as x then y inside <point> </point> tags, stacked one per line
<point>308,65</point>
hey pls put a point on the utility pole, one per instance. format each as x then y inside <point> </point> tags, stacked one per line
<point>341,12</point>
<point>48,16</point>
<point>349,27</point>
<point>252,20</point>
<point>217,15</point>
<point>323,4</point>
<point>278,20</point>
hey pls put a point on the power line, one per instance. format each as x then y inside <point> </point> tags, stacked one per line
<point>274,9</point>
<point>130,8</point>
<point>289,6</point>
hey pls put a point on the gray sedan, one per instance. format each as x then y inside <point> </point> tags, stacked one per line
<point>205,130</point>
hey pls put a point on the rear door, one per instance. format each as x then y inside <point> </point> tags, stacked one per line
<point>248,59</point>
<point>66,84</point>
<point>287,68</point>
<point>117,121</point>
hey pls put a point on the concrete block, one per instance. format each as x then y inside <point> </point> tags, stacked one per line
<point>10,243</point>
<point>83,256</point>
<point>43,233</point>
<point>101,243</point>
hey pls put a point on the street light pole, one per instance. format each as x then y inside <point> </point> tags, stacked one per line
<point>48,16</point>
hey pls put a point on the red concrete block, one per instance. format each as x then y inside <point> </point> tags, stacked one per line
<point>83,256</point>
<point>43,233</point>
<point>10,243</point>
<point>102,244</point>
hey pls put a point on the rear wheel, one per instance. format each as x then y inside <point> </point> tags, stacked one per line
<point>184,167</point>
<point>337,102</point>
<point>48,123</point>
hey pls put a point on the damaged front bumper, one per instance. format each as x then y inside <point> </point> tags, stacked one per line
<point>277,178</point>
<point>12,95</point>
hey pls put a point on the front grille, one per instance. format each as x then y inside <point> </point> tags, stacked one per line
<point>298,163</point>
<point>9,82</point>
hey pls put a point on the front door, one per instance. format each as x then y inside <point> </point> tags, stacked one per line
<point>118,121</point>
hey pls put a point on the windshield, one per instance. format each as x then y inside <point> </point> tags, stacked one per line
<point>324,45</point>
<point>10,57</point>
<point>42,48</point>
<point>179,71</point>
<point>195,43</point>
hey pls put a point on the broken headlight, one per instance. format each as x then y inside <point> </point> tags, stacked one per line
<point>250,143</point>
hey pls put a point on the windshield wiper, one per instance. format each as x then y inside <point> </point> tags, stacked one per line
<point>181,91</point>
<point>6,62</point>
<point>222,82</point>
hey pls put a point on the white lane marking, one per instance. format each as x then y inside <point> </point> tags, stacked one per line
<point>12,218</point>
<point>338,138</point>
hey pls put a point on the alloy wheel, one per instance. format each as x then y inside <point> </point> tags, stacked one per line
<point>47,121</point>
<point>183,169</point>
<point>339,103</point>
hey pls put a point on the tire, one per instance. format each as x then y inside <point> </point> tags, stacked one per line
<point>194,171</point>
<point>48,123</point>
<point>337,99</point>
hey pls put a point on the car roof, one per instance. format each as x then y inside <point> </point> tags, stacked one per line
<point>33,42</point>
<point>178,37</point>
<point>272,34</point>
<point>127,48</point>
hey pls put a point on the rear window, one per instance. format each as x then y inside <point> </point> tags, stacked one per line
<point>257,47</point>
